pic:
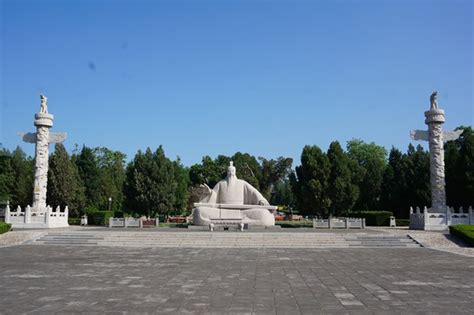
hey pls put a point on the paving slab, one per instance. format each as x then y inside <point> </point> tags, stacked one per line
<point>98,279</point>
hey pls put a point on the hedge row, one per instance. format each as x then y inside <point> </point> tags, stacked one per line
<point>4,227</point>
<point>295,224</point>
<point>74,221</point>
<point>463,231</point>
<point>373,218</point>
<point>403,222</point>
<point>96,217</point>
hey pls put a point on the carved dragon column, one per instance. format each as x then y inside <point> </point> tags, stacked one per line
<point>434,120</point>
<point>43,121</point>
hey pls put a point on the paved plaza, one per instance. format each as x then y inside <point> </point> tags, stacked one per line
<point>59,278</point>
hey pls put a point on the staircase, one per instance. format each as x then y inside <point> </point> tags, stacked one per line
<point>223,240</point>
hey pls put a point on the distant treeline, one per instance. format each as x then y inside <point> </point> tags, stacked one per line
<point>361,177</point>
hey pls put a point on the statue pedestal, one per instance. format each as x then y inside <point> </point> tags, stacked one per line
<point>251,215</point>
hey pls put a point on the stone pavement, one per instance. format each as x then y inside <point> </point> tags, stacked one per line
<point>49,278</point>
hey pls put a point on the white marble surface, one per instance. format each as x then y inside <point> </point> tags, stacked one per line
<point>235,193</point>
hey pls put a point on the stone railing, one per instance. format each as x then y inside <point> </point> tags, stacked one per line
<point>37,218</point>
<point>133,222</point>
<point>339,223</point>
<point>426,220</point>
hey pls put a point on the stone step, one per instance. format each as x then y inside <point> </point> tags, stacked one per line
<point>224,240</point>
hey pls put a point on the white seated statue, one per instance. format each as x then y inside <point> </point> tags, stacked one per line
<point>233,198</point>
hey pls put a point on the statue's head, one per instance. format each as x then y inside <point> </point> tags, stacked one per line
<point>231,170</point>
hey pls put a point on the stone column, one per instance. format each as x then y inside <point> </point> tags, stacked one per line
<point>43,121</point>
<point>434,120</point>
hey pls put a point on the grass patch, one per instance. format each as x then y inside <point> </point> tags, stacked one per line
<point>5,227</point>
<point>464,232</point>
<point>295,224</point>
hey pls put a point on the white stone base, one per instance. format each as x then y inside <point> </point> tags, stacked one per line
<point>28,219</point>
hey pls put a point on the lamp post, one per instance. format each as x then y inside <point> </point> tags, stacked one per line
<point>110,203</point>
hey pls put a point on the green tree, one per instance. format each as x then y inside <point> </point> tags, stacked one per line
<point>89,172</point>
<point>22,169</point>
<point>64,183</point>
<point>310,182</point>
<point>341,190</point>
<point>181,175</point>
<point>274,173</point>
<point>459,160</point>
<point>370,160</point>
<point>394,184</point>
<point>417,181</point>
<point>111,165</point>
<point>151,186</point>
<point>247,167</point>
<point>208,172</point>
<point>283,194</point>
<point>7,176</point>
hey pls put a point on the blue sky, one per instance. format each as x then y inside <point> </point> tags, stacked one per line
<point>216,77</point>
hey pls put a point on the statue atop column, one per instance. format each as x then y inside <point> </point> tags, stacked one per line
<point>42,138</point>
<point>44,104</point>
<point>434,100</point>
<point>436,138</point>
<point>40,214</point>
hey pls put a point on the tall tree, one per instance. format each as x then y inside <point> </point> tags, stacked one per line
<point>248,168</point>
<point>181,175</point>
<point>310,182</point>
<point>90,174</point>
<point>274,173</point>
<point>23,170</point>
<point>394,183</point>
<point>208,172</point>
<point>7,176</point>
<point>283,194</point>
<point>152,186</point>
<point>417,181</point>
<point>341,190</point>
<point>459,159</point>
<point>371,161</point>
<point>111,166</point>
<point>64,183</point>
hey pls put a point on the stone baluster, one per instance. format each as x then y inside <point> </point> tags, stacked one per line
<point>471,215</point>
<point>27,214</point>
<point>426,217</point>
<point>448,216</point>
<point>7,213</point>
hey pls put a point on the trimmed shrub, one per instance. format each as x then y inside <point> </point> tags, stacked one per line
<point>295,224</point>
<point>174,225</point>
<point>99,217</point>
<point>4,227</point>
<point>74,221</point>
<point>373,218</point>
<point>402,222</point>
<point>464,232</point>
